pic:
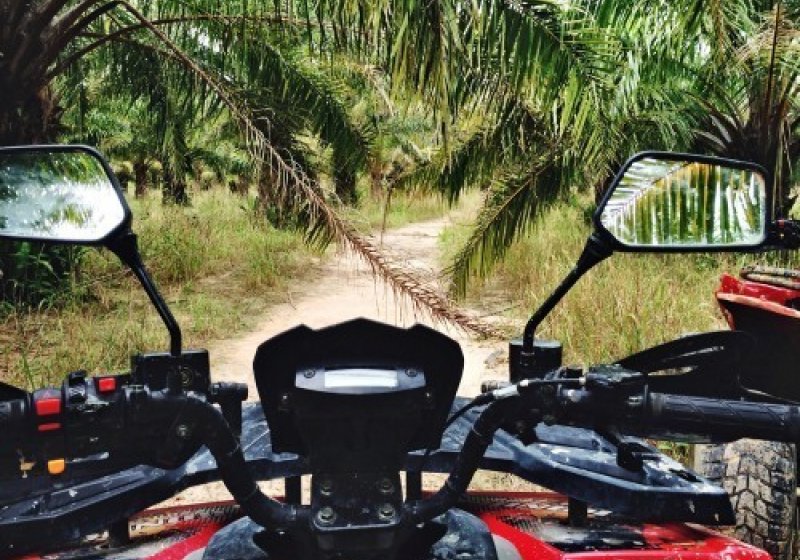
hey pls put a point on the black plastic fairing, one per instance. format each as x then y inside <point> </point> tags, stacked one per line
<point>413,353</point>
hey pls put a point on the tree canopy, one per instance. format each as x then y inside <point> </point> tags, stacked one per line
<point>529,101</point>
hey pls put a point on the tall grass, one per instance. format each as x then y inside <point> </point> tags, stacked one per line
<point>404,207</point>
<point>625,304</point>
<point>217,263</point>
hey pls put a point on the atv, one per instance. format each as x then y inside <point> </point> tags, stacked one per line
<point>366,409</point>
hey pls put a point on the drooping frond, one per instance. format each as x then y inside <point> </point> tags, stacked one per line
<point>331,225</point>
<point>327,223</point>
<point>510,206</point>
<point>449,52</point>
<point>503,136</point>
<point>471,161</point>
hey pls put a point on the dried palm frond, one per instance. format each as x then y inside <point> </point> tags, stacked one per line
<point>326,224</point>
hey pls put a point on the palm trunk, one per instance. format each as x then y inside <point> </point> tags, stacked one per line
<point>174,188</point>
<point>345,183</point>
<point>140,178</point>
<point>35,120</point>
<point>271,202</point>
<point>344,178</point>
<point>29,272</point>
<point>238,185</point>
<point>376,180</point>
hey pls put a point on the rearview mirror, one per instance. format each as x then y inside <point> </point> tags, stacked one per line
<point>662,201</point>
<point>62,194</point>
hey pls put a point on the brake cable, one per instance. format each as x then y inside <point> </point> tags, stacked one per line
<point>500,393</point>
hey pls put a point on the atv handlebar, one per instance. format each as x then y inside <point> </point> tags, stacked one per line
<point>13,414</point>
<point>662,414</point>
<point>164,428</point>
<point>725,419</point>
<point>133,425</point>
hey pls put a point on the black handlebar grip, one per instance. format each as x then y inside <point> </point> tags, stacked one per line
<point>720,418</point>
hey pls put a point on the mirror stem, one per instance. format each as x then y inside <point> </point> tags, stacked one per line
<point>127,249</point>
<point>595,251</point>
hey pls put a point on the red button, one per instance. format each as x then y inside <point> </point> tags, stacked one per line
<point>49,427</point>
<point>48,407</point>
<point>106,384</point>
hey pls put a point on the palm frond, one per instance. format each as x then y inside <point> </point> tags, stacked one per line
<point>508,211</point>
<point>327,223</point>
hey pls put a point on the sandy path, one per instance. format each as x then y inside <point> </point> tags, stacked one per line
<point>345,289</point>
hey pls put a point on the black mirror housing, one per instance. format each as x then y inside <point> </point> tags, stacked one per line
<point>665,202</point>
<point>65,194</point>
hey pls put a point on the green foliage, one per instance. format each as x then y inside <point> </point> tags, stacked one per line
<point>627,76</point>
<point>688,204</point>
<point>527,101</point>
<point>403,207</point>
<point>34,274</point>
<point>218,265</point>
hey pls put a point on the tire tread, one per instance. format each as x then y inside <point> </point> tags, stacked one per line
<point>760,477</point>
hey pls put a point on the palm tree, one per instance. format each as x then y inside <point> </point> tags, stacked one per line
<point>633,75</point>
<point>529,142</point>
<point>219,53</point>
<point>178,57</point>
<point>753,102</point>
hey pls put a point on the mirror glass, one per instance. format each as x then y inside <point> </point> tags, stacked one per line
<point>668,202</point>
<point>62,196</point>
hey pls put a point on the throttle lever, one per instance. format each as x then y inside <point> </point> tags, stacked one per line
<point>493,385</point>
<point>229,396</point>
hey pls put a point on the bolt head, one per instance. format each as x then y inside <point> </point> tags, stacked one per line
<point>187,377</point>
<point>326,487</point>
<point>326,515</point>
<point>386,512</point>
<point>386,486</point>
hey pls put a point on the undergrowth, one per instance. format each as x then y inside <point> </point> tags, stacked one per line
<point>625,304</point>
<point>217,264</point>
<point>405,207</point>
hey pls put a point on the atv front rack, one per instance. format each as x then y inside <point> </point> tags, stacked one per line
<point>629,478</point>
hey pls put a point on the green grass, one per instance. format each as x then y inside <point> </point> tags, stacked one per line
<point>217,264</point>
<point>625,304</point>
<point>405,207</point>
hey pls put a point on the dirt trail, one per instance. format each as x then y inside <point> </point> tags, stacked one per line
<point>345,289</point>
